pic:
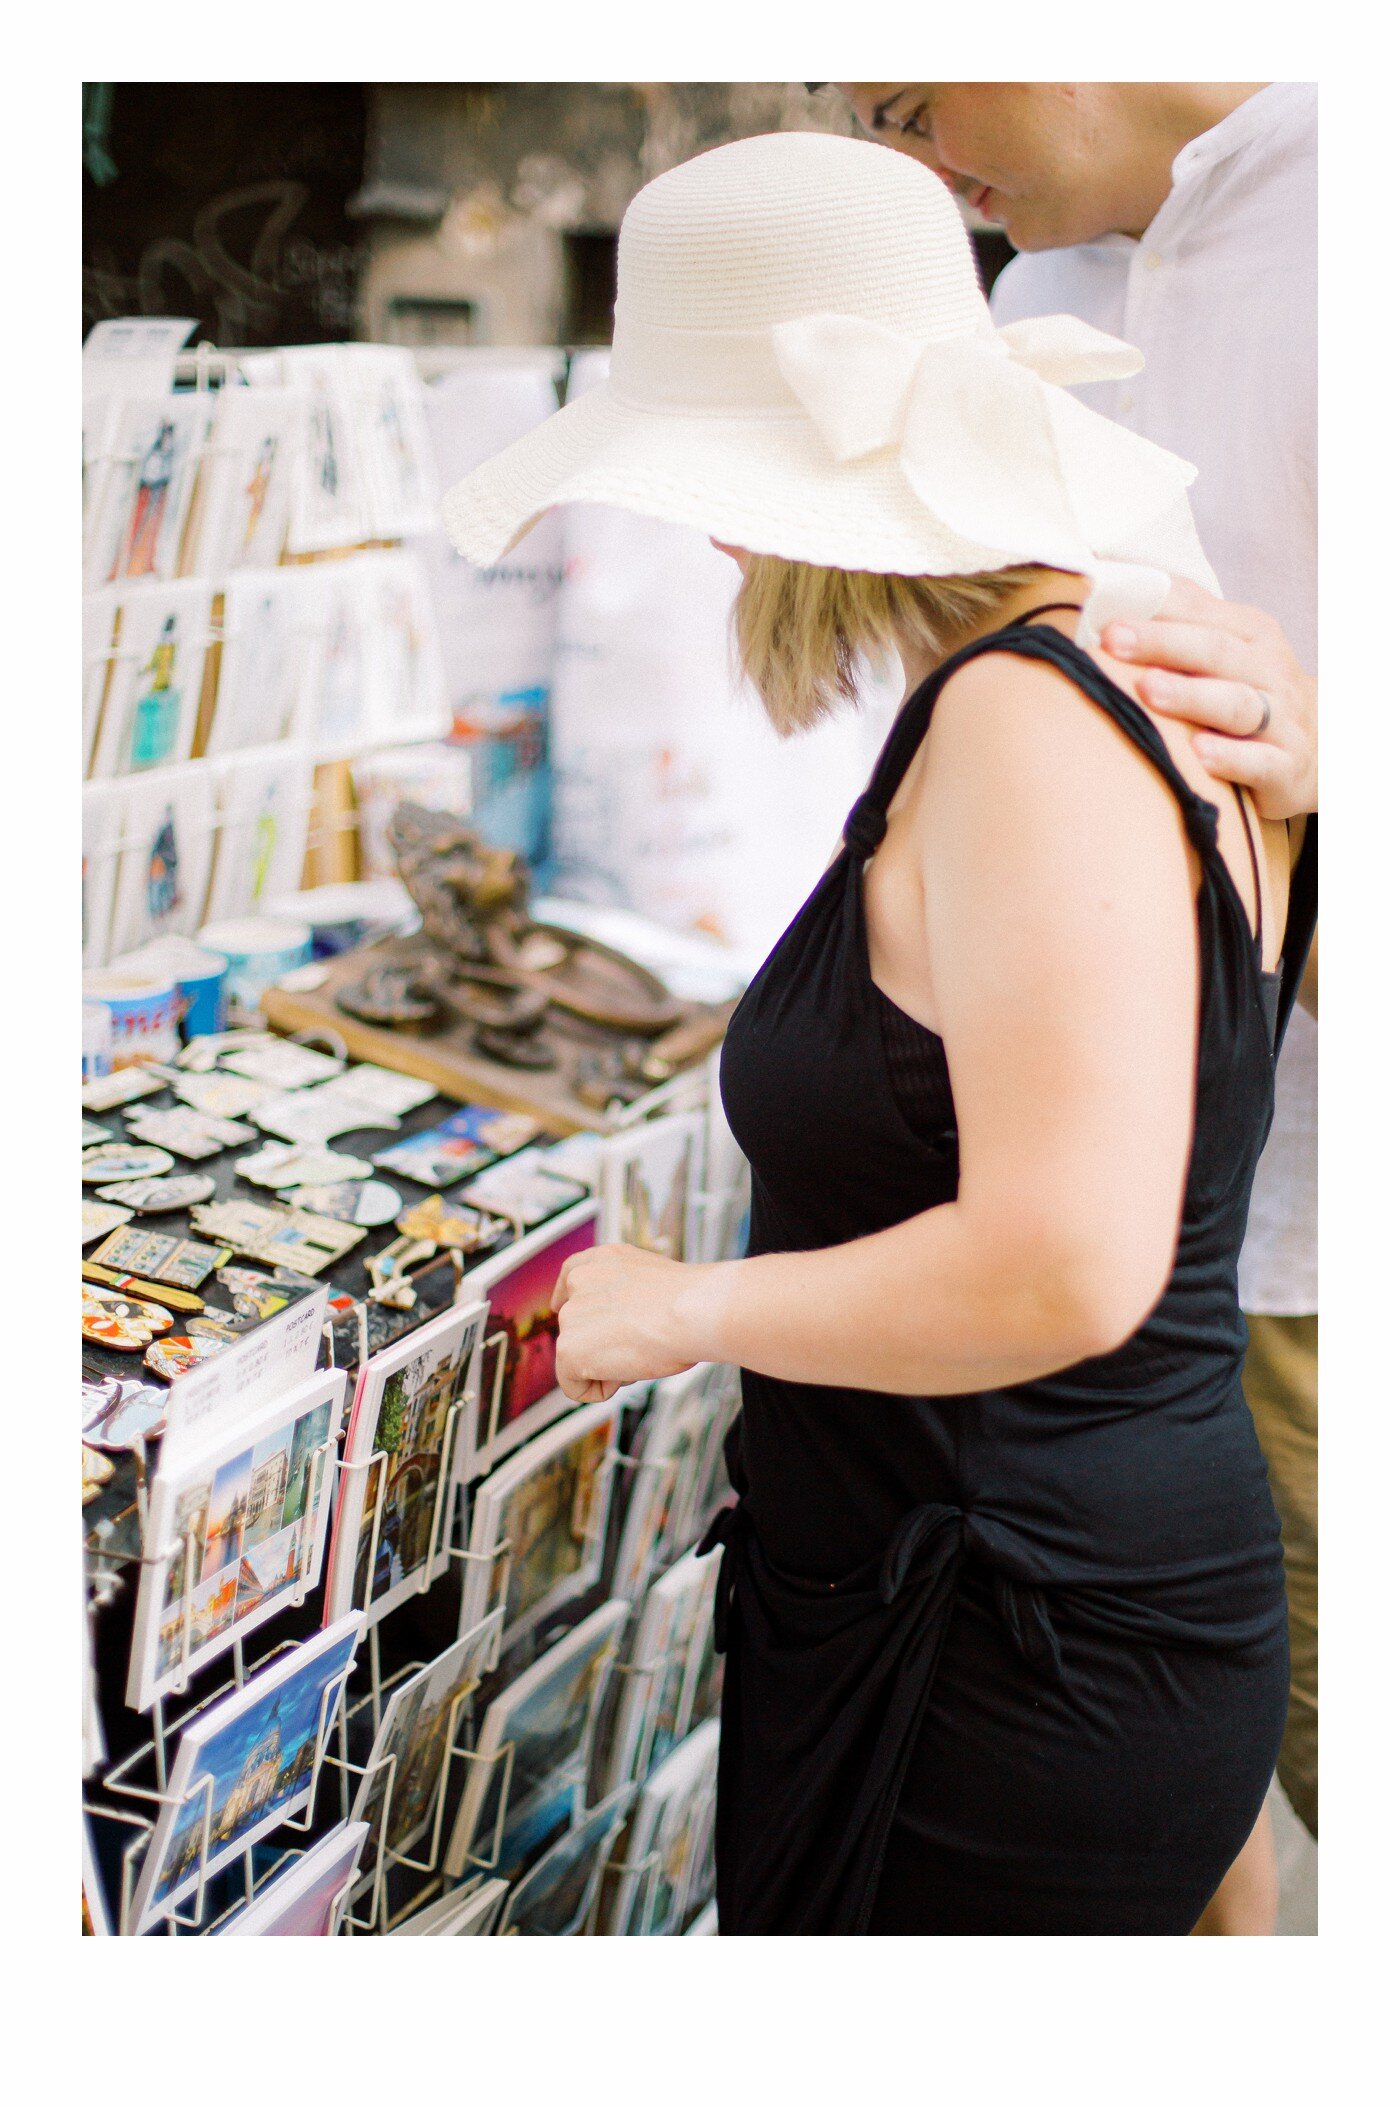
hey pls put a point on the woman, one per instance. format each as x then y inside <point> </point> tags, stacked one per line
<point>1002,1596</point>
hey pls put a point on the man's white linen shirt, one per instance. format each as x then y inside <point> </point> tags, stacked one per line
<point>1220,296</point>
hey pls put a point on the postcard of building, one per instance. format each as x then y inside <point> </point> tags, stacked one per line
<point>664,1839</point>
<point>411,1402</point>
<point>518,1394</point>
<point>648,1181</point>
<point>307,1901</point>
<point>653,1709</point>
<point>244,1765</point>
<point>555,1899</point>
<point>545,1718</point>
<point>405,1776</point>
<point>241,1520</point>
<point>539,1523</point>
<point>668,1450</point>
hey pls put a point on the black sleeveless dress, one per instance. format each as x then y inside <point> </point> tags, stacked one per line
<point>1014,1661</point>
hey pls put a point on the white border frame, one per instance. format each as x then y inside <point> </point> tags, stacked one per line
<point>478,1453</point>
<point>338,1851</point>
<point>475,1650</point>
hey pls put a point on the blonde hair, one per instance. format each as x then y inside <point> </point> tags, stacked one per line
<point>801,630</point>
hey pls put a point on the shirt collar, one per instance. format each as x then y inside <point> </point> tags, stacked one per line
<point>1255,116</point>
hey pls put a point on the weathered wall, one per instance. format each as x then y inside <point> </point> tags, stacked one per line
<point>517,166</point>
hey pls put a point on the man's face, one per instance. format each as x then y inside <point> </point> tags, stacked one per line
<point>1028,155</point>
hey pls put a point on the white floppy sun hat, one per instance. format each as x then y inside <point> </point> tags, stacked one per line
<point>804,365</point>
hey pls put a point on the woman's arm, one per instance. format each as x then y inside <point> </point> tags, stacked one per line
<point>1058,889</point>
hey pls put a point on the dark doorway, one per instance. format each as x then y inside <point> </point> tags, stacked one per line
<point>590,287</point>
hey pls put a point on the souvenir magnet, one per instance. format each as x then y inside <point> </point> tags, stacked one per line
<point>451,1225</point>
<point>380,1090</point>
<point>158,1196</point>
<point>106,1162</point>
<point>187,1132</point>
<point>101,1093</point>
<point>263,1295</point>
<point>182,1261</point>
<point>225,1096</point>
<point>136,1414</point>
<point>370,1203</point>
<point>151,1291</point>
<point>299,1164</point>
<point>468,1140</point>
<point>98,1219</point>
<point>178,1354</point>
<point>307,1243</point>
<point>202,1053</point>
<point>97,1470</point>
<point>100,1394</point>
<point>222,1325</point>
<point>121,1322</point>
<point>313,1117</point>
<point>282,1065</point>
<point>94,1132</point>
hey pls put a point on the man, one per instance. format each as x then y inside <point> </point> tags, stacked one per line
<point>1181,216</point>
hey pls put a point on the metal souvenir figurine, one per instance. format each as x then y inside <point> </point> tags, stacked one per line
<point>158,1196</point>
<point>452,1225</point>
<point>106,1162</point>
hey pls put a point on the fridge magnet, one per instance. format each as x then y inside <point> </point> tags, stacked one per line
<point>368,1202</point>
<point>97,1473</point>
<point>203,1052</point>
<point>312,1118</point>
<point>522,1189</point>
<point>432,1286</point>
<point>186,1132</point>
<point>102,1093</point>
<point>182,1262</point>
<point>244,1765</point>
<point>300,1164</point>
<point>648,1178</point>
<point>650,1717</point>
<point>518,1376</point>
<point>547,1715</point>
<point>388,1541</point>
<point>669,1828</point>
<point>261,1296</point>
<point>133,1413</point>
<point>451,1226</point>
<point>471,1909</point>
<point>181,1352</point>
<point>218,1094</point>
<point>276,1235</point>
<point>254,1505</point>
<point>93,1131</point>
<point>158,1196</point>
<point>405,1777</point>
<point>223,1326</point>
<point>308,1900</point>
<point>543,1515</point>
<point>375,1089</point>
<point>283,1065</point>
<point>466,1142</point>
<point>555,1899</point>
<point>99,1218</point>
<point>121,1322</point>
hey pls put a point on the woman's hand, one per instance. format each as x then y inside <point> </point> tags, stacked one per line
<point>620,1320</point>
<point>1215,665</point>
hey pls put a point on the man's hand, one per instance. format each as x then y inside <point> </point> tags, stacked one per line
<point>1214,664</point>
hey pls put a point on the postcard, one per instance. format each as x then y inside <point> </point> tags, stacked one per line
<point>405,1779</point>
<point>152,697</point>
<point>540,1521</point>
<point>241,511</point>
<point>668,1450</point>
<point>472,1908</point>
<point>705,1924</point>
<point>649,1177</point>
<point>404,1425</point>
<point>653,1710</point>
<point>524,1189</point>
<point>266,666</point>
<point>264,800</point>
<point>546,1716</point>
<point>329,506</point>
<point>167,823</point>
<point>144,500</point>
<point>555,1899</point>
<point>674,1814</point>
<point>244,1765</point>
<point>362,1328</point>
<point>241,1520</point>
<point>517,1393</point>
<point>308,1900</point>
<point>471,1138</point>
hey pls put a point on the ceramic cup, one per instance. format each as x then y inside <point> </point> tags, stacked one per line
<point>144,1008</point>
<point>259,950</point>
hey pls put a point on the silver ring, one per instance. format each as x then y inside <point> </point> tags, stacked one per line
<point>1263,725</point>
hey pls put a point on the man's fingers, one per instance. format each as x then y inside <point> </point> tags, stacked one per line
<point>1223,706</point>
<point>1181,647</point>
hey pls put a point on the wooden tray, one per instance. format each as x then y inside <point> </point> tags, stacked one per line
<point>446,1057</point>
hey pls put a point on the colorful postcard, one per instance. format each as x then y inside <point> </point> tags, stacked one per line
<point>470,1139</point>
<point>147,487</point>
<point>264,802</point>
<point>405,1778</point>
<point>666,1840</point>
<point>244,1765</point>
<point>307,1901</point>
<point>391,433</point>
<point>266,666</point>
<point>710,1485</point>
<point>243,1519</point>
<point>540,1521</point>
<point>653,1709</point>
<point>555,1899</point>
<point>241,509</point>
<point>388,1540</point>
<point>517,1390</point>
<point>523,1189</point>
<point>471,1909</point>
<point>157,671</point>
<point>546,1717</point>
<point>649,1177</point>
<point>668,1451</point>
<point>167,836</point>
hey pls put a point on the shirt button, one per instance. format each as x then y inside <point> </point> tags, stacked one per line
<point>1126,401</point>
<point>1152,259</point>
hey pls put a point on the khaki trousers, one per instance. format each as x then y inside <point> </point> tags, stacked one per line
<point>1280,1383</point>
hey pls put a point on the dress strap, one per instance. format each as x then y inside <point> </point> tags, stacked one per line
<point>1299,928</point>
<point>1049,607</point>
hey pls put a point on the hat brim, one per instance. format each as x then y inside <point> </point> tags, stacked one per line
<point>765,483</point>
